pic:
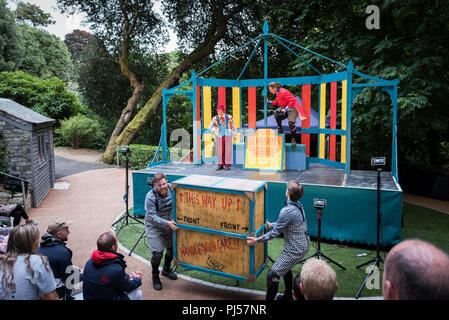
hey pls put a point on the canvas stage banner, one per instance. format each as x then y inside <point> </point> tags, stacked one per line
<point>265,151</point>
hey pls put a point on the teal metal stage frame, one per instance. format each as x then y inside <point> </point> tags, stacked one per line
<point>352,89</point>
<point>350,214</point>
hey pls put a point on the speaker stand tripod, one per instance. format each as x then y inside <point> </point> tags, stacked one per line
<point>125,219</point>
<point>318,252</point>
<point>378,259</point>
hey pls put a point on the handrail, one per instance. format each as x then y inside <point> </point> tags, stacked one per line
<point>23,188</point>
<point>8,175</point>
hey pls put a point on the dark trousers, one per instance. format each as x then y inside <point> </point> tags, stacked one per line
<point>291,114</point>
<point>157,257</point>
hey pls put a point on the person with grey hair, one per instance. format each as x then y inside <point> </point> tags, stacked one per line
<point>316,281</point>
<point>158,228</point>
<point>24,273</point>
<point>292,222</point>
<point>416,270</point>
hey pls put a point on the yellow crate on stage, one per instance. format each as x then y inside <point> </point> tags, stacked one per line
<point>215,215</point>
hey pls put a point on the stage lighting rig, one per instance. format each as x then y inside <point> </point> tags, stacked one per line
<point>319,203</point>
<point>378,162</point>
<point>125,151</point>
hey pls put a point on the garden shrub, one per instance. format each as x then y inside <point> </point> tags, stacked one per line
<point>140,156</point>
<point>80,131</point>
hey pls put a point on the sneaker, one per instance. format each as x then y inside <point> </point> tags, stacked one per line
<point>32,222</point>
<point>169,274</point>
<point>226,168</point>
<point>157,285</point>
<point>220,168</point>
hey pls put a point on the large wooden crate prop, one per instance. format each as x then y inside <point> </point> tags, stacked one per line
<point>214,216</point>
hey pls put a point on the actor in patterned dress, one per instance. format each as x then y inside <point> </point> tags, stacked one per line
<point>293,224</point>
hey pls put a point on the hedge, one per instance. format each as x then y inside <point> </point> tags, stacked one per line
<point>140,156</point>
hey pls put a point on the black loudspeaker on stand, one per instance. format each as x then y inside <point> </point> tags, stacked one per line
<point>125,219</point>
<point>378,163</point>
<point>320,204</point>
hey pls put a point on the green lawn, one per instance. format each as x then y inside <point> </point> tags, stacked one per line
<point>419,222</point>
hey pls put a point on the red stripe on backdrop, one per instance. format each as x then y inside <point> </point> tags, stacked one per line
<point>198,120</point>
<point>333,120</point>
<point>252,107</point>
<point>222,96</point>
<point>305,137</point>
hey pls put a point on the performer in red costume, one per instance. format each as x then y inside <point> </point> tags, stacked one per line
<point>224,128</point>
<point>289,108</point>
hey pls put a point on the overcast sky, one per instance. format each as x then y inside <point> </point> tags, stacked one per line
<point>66,24</point>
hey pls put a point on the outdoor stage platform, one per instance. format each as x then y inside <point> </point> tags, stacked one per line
<point>351,211</point>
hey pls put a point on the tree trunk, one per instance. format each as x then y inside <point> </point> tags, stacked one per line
<point>125,117</point>
<point>108,155</point>
<point>216,32</point>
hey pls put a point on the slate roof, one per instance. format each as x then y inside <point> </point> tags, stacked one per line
<point>14,109</point>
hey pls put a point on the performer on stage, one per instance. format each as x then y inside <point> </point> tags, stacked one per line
<point>158,228</point>
<point>293,224</point>
<point>224,129</point>
<point>289,108</point>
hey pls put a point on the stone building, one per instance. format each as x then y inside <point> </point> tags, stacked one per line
<point>28,138</point>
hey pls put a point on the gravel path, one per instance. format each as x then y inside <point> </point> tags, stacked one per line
<point>72,161</point>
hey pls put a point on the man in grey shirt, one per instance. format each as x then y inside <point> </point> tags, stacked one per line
<point>293,224</point>
<point>158,228</point>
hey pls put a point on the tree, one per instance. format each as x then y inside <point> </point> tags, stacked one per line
<point>47,56</point>
<point>101,84</point>
<point>45,96</point>
<point>27,12</point>
<point>210,22</point>
<point>78,42</point>
<point>10,40</point>
<point>117,23</point>
<point>410,45</point>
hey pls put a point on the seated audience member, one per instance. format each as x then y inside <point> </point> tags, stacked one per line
<point>316,281</point>
<point>104,273</point>
<point>4,235</point>
<point>25,274</point>
<point>53,246</point>
<point>17,212</point>
<point>416,270</point>
<point>297,295</point>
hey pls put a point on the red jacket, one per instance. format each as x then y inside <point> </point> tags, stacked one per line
<point>285,98</point>
<point>105,277</point>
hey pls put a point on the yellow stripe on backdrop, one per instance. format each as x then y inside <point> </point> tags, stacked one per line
<point>236,109</point>
<point>207,111</point>
<point>344,90</point>
<point>322,119</point>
